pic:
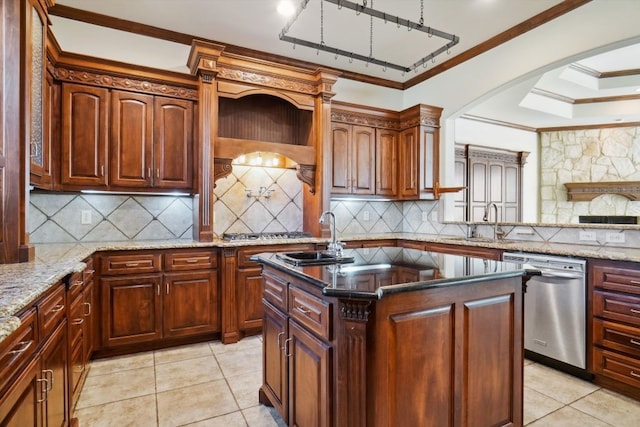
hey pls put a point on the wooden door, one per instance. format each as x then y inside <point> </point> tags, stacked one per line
<point>131,309</point>
<point>274,334</point>
<point>309,379</point>
<point>55,372</point>
<point>429,161</point>
<point>460,172</point>
<point>478,189</point>
<point>131,139</point>
<point>386,162</point>
<point>190,303</point>
<point>84,135</point>
<point>250,286</point>
<point>173,143</point>
<point>340,163</point>
<point>19,406</point>
<point>363,155</point>
<point>408,164</point>
<point>41,157</point>
<point>90,329</point>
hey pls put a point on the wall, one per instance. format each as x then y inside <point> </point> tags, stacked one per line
<point>57,217</point>
<point>591,155</point>
<point>234,212</point>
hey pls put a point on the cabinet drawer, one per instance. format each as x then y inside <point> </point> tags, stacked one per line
<point>617,279</point>
<point>18,347</point>
<point>51,311</point>
<point>310,311</point>
<point>625,308</point>
<point>616,336</point>
<point>89,270</point>
<point>275,290</point>
<point>245,253</point>
<point>191,260</point>
<point>616,366</point>
<point>130,263</point>
<point>74,285</point>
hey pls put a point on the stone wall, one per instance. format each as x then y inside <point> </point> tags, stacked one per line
<point>591,155</point>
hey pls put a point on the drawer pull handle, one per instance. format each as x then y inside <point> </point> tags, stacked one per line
<point>49,374</point>
<point>132,264</point>
<point>287,347</point>
<point>57,308</point>
<point>89,271</point>
<point>634,374</point>
<point>75,283</point>
<point>302,309</point>
<point>280,335</point>
<point>634,282</point>
<point>87,312</point>
<point>44,389</point>
<point>634,311</point>
<point>636,342</point>
<point>77,322</point>
<point>25,345</point>
<point>192,260</point>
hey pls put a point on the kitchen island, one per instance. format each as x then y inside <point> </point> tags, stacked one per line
<point>399,337</point>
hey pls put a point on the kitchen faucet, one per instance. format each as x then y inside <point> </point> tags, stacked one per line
<point>497,231</point>
<point>335,247</point>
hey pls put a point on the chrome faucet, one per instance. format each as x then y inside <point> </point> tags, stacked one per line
<point>497,231</point>
<point>335,247</point>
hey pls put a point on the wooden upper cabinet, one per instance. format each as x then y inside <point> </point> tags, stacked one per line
<point>429,160</point>
<point>363,154</point>
<point>408,164</point>
<point>386,162</point>
<point>85,112</point>
<point>41,156</point>
<point>340,165</point>
<point>173,143</point>
<point>131,139</point>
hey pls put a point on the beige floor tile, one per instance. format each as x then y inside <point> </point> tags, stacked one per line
<point>245,388</point>
<point>133,412</point>
<point>121,363</point>
<point>537,405</point>
<point>262,416</point>
<point>568,417</point>
<point>168,355</point>
<point>557,385</point>
<point>184,373</point>
<point>246,343</point>
<point>234,419</point>
<point>195,403</point>
<point>100,389</point>
<point>240,362</point>
<point>611,407</point>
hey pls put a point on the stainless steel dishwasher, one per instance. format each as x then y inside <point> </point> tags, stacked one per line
<point>554,310</point>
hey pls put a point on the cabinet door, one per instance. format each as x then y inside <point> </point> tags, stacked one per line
<point>90,328</point>
<point>340,168</point>
<point>55,372</point>
<point>131,139</point>
<point>19,405</point>
<point>429,160</point>
<point>386,162</point>
<point>250,291</point>
<point>131,309</point>
<point>40,170</point>
<point>173,143</point>
<point>309,379</point>
<point>363,155</point>
<point>408,164</point>
<point>274,334</point>
<point>190,303</point>
<point>84,135</point>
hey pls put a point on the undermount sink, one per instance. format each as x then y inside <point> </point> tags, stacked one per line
<point>312,258</point>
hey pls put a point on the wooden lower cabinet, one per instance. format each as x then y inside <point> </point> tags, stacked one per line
<point>188,301</point>
<point>250,300</point>
<point>445,356</point>
<point>19,405</point>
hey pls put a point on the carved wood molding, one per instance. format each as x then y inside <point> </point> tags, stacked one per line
<point>355,310</point>
<point>266,79</point>
<point>587,191</point>
<point>221,168</point>
<point>364,120</point>
<point>127,83</point>
<point>307,174</point>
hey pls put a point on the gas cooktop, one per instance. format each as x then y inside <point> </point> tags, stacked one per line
<point>267,236</point>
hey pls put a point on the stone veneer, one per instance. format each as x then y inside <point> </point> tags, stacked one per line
<point>591,155</point>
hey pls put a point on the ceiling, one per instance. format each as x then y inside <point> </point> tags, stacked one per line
<point>581,92</point>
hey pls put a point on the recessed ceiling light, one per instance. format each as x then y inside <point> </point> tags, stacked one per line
<point>285,8</point>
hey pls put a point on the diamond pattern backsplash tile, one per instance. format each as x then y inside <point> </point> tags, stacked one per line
<point>55,217</point>
<point>235,212</point>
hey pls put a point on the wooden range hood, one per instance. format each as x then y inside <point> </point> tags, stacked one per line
<point>587,191</point>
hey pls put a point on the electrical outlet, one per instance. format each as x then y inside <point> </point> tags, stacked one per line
<point>588,236</point>
<point>85,217</point>
<point>365,215</point>
<point>425,216</point>
<point>614,237</point>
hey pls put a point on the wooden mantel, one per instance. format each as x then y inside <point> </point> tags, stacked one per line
<point>587,191</point>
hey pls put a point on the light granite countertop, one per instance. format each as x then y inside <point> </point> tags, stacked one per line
<point>23,283</point>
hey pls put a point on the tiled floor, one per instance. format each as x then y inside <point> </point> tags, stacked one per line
<point>211,384</point>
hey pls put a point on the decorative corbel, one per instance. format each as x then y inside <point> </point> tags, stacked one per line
<point>307,174</point>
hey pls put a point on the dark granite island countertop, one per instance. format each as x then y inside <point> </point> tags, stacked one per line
<point>377,272</point>
<point>386,339</point>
